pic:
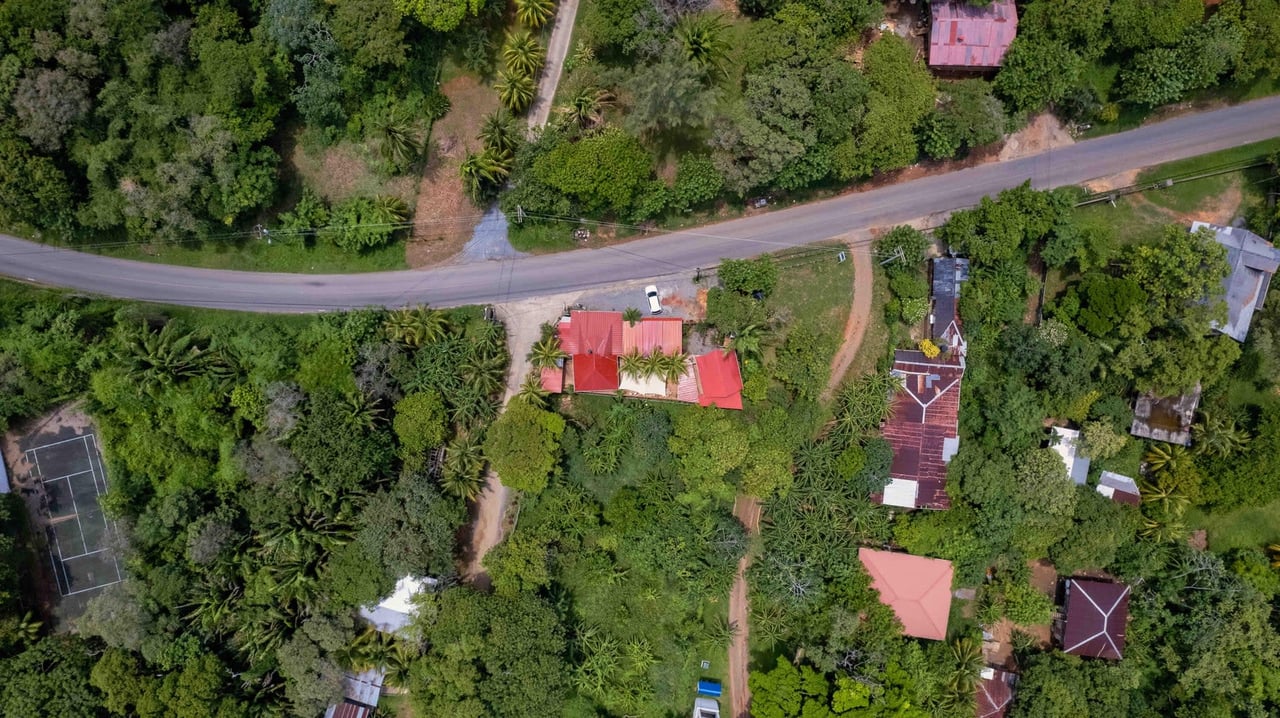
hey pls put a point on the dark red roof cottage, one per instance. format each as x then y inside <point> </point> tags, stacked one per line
<point>1094,619</point>
<point>971,37</point>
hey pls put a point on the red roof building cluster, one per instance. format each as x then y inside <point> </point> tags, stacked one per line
<point>595,341</point>
<point>965,36</point>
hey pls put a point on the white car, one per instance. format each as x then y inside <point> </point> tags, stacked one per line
<point>651,292</point>
<point>706,708</point>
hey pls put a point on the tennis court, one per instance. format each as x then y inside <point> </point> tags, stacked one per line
<point>79,535</point>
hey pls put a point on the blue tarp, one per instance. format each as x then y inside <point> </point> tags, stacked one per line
<point>709,688</point>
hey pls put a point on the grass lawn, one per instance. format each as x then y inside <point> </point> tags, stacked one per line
<point>1250,526</point>
<point>814,286</point>
<point>258,256</point>
<point>1102,76</point>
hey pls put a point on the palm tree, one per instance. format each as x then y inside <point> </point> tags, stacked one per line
<point>546,352</point>
<point>463,462</point>
<point>631,315</point>
<point>515,90</point>
<point>655,364</point>
<point>531,391</point>
<point>748,342</point>
<point>390,209</point>
<point>397,662</point>
<point>673,366</point>
<point>484,172</point>
<point>27,628</point>
<point>1165,456</point>
<point>397,139</point>
<point>1163,492</point>
<point>415,326</point>
<point>586,107</point>
<point>159,359</point>
<point>1274,550</point>
<point>523,53</point>
<point>1216,435</point>
<point>485,372</point>
<point>633,364</point>
<point>534,13</point>
<point>968,657</point>
<point>702,38</point>
<point>498,133</point>
<point>362,410</point>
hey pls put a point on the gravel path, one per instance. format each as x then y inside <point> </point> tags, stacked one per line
<point>557,51</point>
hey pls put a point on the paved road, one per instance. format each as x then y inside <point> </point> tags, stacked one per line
<point>557,51</point>
<point>676,252</point>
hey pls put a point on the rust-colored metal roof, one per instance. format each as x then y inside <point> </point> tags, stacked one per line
<point>924,424</point>
<point>918,589</point>
<point>719,380</point>
<point>595,372</point>
<point>968,36</point>
<point>664,334</point>
<point>995,693</point>
<point>1096,616</point>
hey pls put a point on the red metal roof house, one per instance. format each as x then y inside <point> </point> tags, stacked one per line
<point>969,37</point>
<point>1094,619</point>
<point>719,380</point>
<point>995,693</point>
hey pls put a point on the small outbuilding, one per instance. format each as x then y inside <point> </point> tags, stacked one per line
<point>1095,614</point>
<point>1166,419</point>
<point>964,36</point>
<point>1119,488</point>
<point>1067,445</point>
<point>918,589</point>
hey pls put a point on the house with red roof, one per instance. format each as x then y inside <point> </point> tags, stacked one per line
<point>918,589</point>
<point>995,693</point>
<point>924,419</point>
<point>1094,619</point>
<point>964,36</point>
<point>596,341</point>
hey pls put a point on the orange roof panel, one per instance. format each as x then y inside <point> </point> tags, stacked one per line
<point>918,589</point>
<point>719,380</point>
<point>665,334</point>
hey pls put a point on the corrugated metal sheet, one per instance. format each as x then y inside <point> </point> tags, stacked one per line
<point>653,334</point>
<point>966,36</point>
<point>1096,614</point>
<point>719,380</point>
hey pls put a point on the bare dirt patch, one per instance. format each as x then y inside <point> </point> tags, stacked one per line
<point>1113,182</point>
<point>748,511</point>
<point>1219,209</point>
<point>444,215</point>
<point>859,315</point>
<point>1045,132</point>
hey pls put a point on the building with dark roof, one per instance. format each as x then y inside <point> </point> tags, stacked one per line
<point>1253,261</point>
<point>969,37</point>
<point>924,418</point>
<point>1119,488</point>
<point>1166,419</point>
<point>995,693</point>
<point>1095,614</point>
<point>360,694</point>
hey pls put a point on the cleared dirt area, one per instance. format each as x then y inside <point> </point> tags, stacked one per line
<point>340,171</point>
<point>1044,132</point>
<point>748,511</point>
<point>444,216</point>
<point>859,314</point>
<point>1112,182</point>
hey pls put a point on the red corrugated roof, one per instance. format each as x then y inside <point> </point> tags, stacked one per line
<point>1096,614</point>
<point>568,339</point>
<point>595,372</point>
<point>665,334</point>
<point>968,36</point>
<point>595,332</point>
<point>918,589</point>
<point>719,380</point>
<point>552,379</point>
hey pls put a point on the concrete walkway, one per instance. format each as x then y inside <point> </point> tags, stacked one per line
<point>557,51</point>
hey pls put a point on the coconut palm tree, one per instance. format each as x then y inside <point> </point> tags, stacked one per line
<point>515,90</point>
<point>523,53</point>
<point>586,107</point>
<point>655,364</point>
<point>531,391</point>
<point>483,172</point>
<point>749,342</point>
<point>158,359</point>
<point>362,411</point>
<point>1216,435</point>
<point>416,326</point>
<point>484,372</point>
<point>534,13</point>
<point>1165,456</point>
<point>1163,492</point>
<point>702,39</point>
<point>390,209</point>
<point>397,139</point>
<point>546,352</point>
<point>673,366</point>
<point>463,463</point>
<point>498,133</point>
<point>633,364</point>
<point>631,315</point>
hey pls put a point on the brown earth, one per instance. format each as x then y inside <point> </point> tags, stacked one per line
<point>444,216</point>
<point>748,511</point>
<point>1112,182</point>
<point>1042,133</point>
<point>859,313</point>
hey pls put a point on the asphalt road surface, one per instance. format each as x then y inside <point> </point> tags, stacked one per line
<point>651,257</point>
